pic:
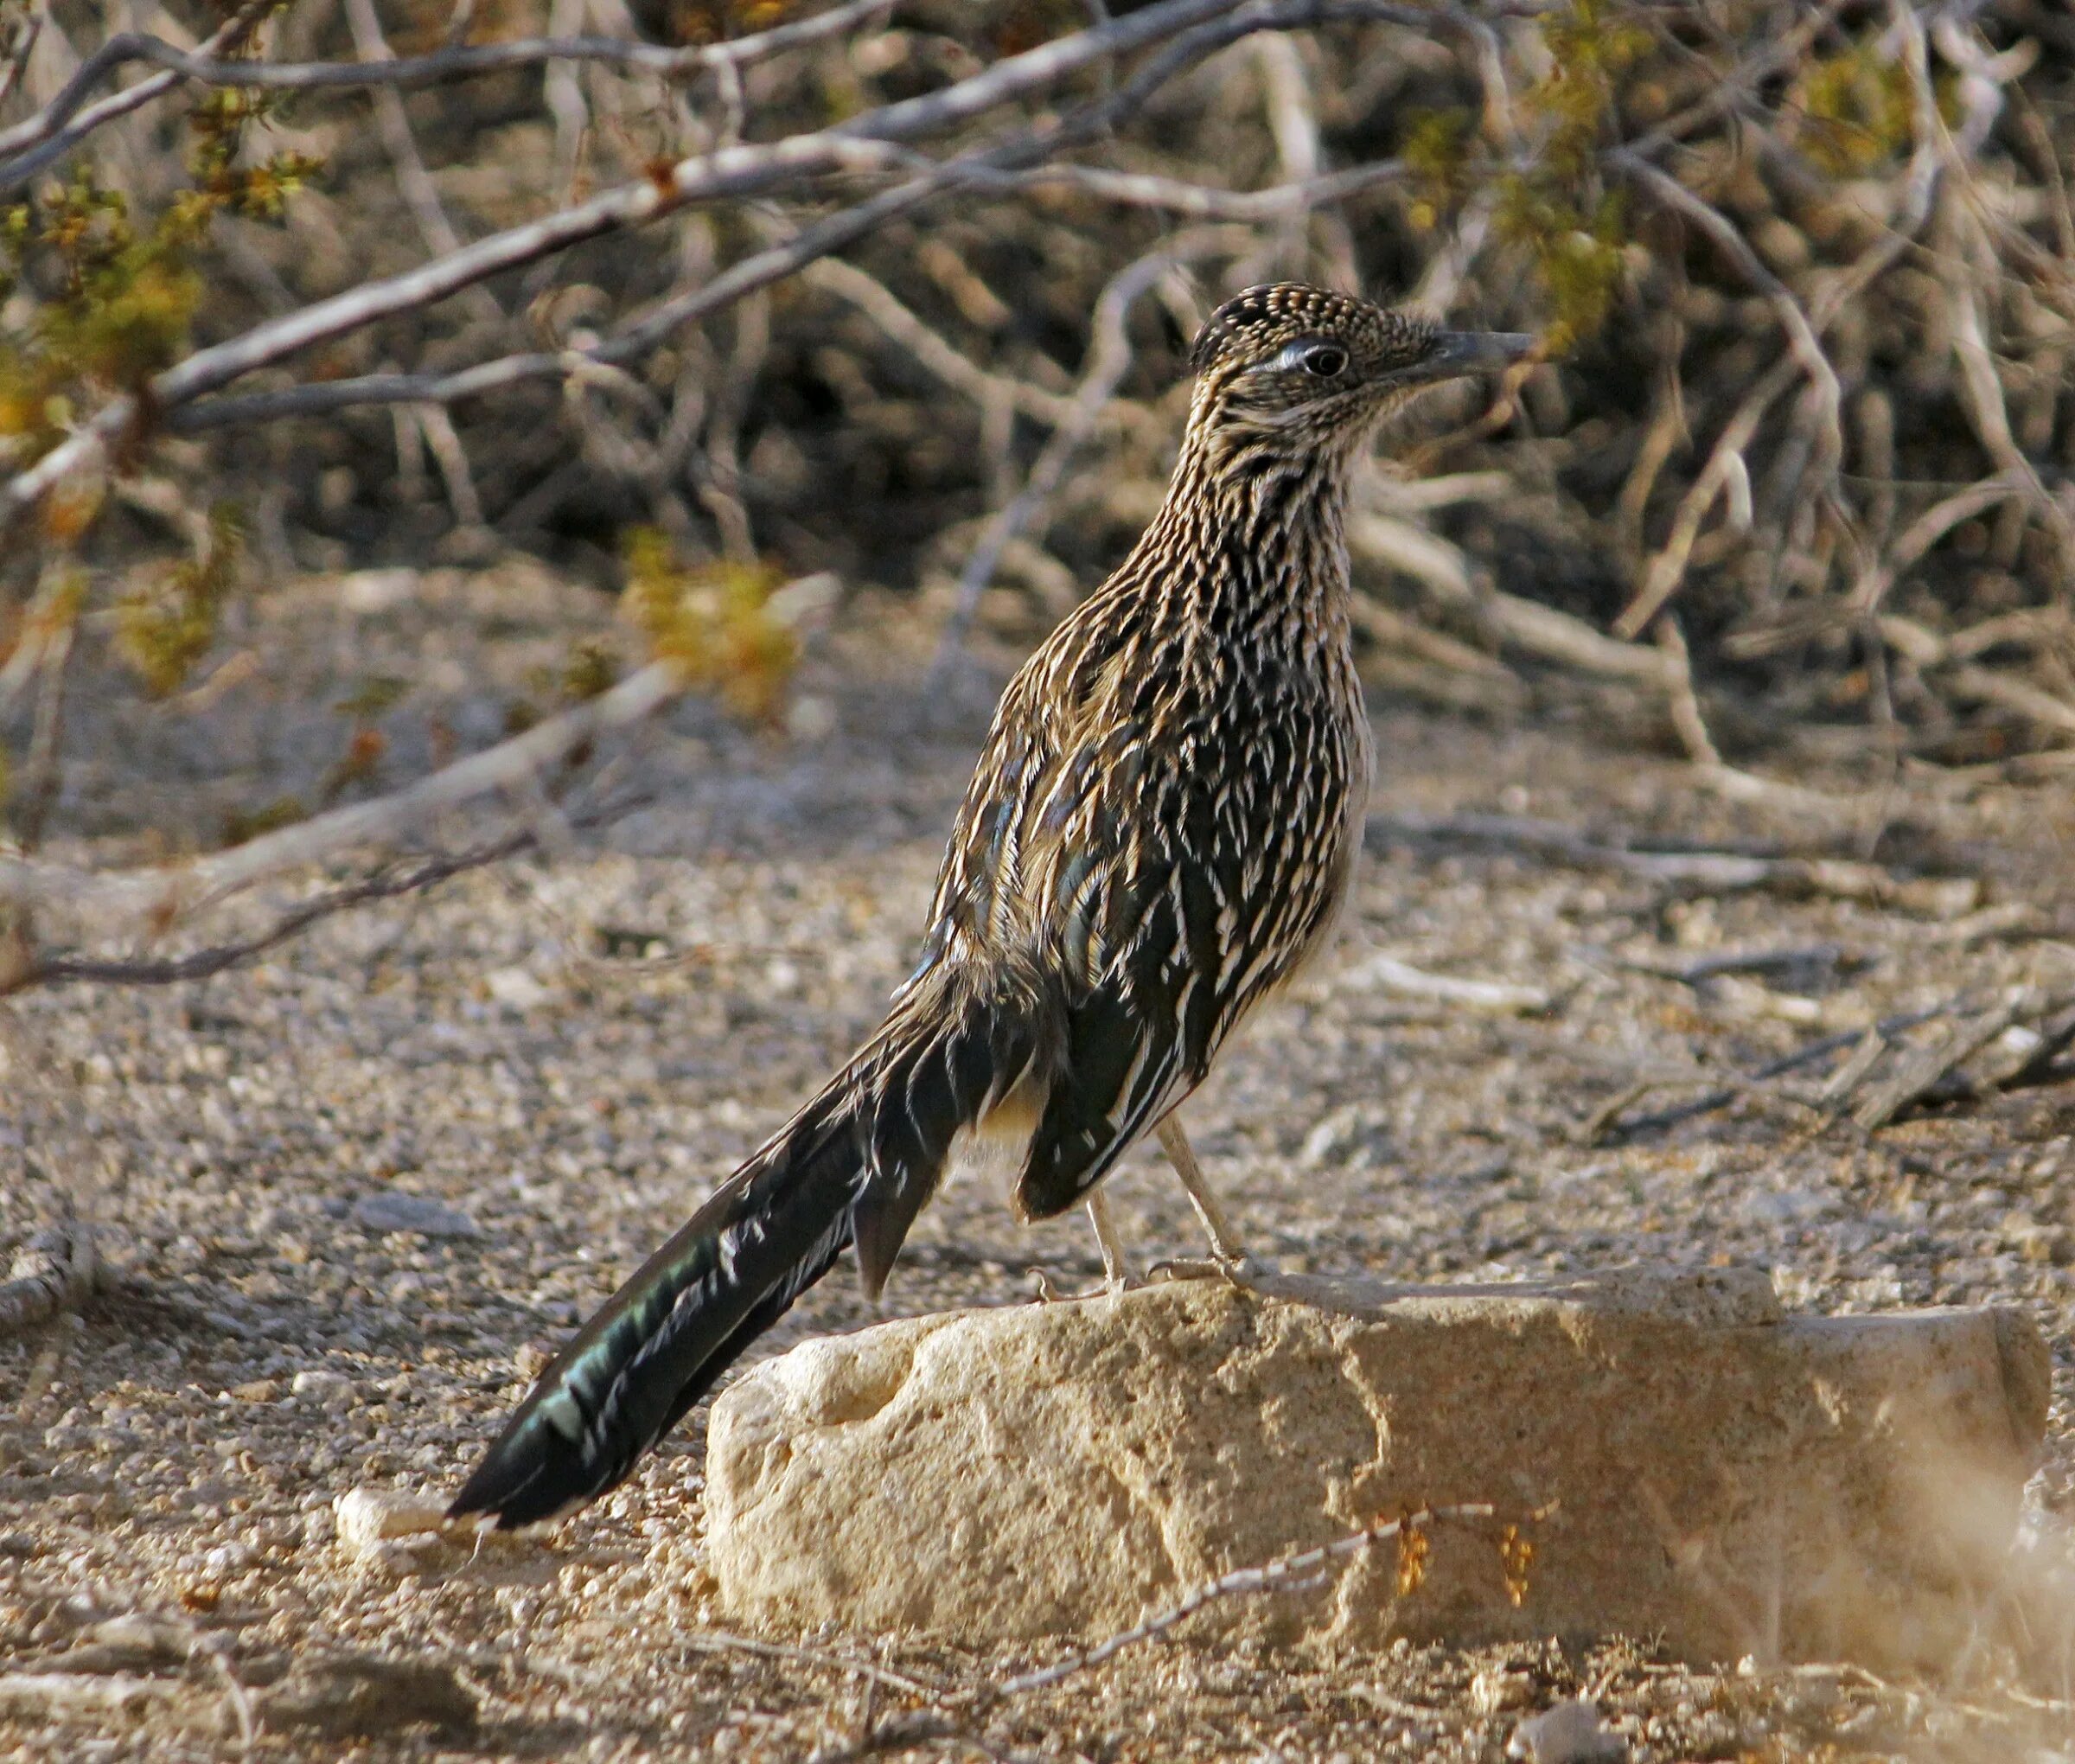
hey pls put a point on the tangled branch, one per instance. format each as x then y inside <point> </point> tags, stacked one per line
<point>1830,252</point>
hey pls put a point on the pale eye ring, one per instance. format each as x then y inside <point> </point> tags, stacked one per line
<point>1327,360</point>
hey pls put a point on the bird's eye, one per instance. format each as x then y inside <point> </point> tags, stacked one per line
<point>1326,360</point>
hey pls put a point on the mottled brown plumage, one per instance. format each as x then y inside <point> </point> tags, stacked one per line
<point>1160,833</point>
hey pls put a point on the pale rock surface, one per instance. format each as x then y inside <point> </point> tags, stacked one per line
<point>1740,1481</point>
<point>370,1521</point>
<point>1571,1733</point>
<point>394,1211</point>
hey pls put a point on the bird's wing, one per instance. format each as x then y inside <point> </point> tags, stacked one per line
<point>1182,869</point>
<point>1161,864</point>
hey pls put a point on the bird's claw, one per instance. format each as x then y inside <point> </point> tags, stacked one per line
<point>1233,1269</point>
<point>1108,1288</point>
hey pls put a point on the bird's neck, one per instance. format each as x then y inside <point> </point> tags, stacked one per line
<point>1263,534</point>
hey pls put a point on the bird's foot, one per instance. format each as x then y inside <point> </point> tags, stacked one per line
<point>1233,1269</point>
<point>1108,1288</point>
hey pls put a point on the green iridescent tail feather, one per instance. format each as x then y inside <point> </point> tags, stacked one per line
<point>855,1166</point>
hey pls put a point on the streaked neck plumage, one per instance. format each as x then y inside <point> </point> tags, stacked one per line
<point>1261,517</point>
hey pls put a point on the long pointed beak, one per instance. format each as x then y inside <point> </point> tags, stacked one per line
<point>1458,353</point>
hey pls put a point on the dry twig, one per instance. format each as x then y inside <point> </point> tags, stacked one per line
<point>1285,1573</point>
<point>1697,869</point>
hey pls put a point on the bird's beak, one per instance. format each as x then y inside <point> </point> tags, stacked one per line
<point>1458,353</point>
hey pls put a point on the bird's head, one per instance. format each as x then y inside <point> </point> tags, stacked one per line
<point>1306,370</point>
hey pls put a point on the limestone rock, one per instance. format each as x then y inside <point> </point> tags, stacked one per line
<point>1571,1733</point>
<point>394,1211</point>
<point>372,1522</point>
<point>1741,1481</point>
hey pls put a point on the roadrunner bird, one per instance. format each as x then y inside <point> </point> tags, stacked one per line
<point>1160,834</point>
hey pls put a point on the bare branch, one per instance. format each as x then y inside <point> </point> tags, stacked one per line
<point>1758,517</point>
<point>1686,715</point>
<point>721,1641</point>
<point>1992,415</point>
<point>866,143</point>
<point>40,776</point>
<point>1724,469</point>
<point>1917,1077</point>
<point>1801,334</point>
<point>1201,201</point>
<point>1191,28</point>
<point>733,171</point>
<point>1541,631</point>
<point>201,964</point>
<point>18,53</point>
<point>207,66</point>
<point>1726,466</point>
<point>1700,869</point>
<point>1108,361</point>
<point>412,177</point>
<point>161,896</point>
<point>48,123</point>
<point>1928,528</point>
<point>811,246</point>
<point>878,302</point>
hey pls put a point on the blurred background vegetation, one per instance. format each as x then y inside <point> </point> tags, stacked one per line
<point>1791,487</point>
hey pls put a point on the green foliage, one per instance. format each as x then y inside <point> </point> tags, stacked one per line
<point>162,633</point>
<point>124,295</point>
<point>373,696</point>
<point>259,191</point>
<point>714,621</point>
<point>1591,46</point>
<point>1575,233</point>
<point>241,824</point>
<point>590,669</point>
<point>1552,207</point>
<point>1857,110</point>
<point>1436,152</point>
<point>1577,255</point>
<point>589,672</point>
<point>122,314</point>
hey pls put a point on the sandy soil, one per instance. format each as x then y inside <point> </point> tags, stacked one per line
<point>564,1052</point>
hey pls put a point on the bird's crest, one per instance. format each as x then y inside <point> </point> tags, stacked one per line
<point>1257,324</point>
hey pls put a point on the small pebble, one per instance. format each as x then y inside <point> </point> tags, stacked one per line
<point>329,1389</point>
<point>376,590</point>
<point>1498,1688</point>
<point>368,1519</point>
<point>393,1211</point>
<point>1571,1733</point>
<point>516,988</point>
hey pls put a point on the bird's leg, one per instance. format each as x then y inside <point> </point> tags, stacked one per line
<point>1226,1257</point>
<point>1116,1266</point>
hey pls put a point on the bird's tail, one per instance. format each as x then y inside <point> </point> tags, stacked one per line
<point>854,1166</point>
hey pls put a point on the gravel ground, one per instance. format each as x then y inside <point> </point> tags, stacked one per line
<point>563,1053</point>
